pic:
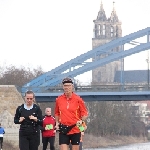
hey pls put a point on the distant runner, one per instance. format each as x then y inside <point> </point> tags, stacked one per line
<point>2,132</point>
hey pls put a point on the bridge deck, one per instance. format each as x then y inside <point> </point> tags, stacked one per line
<point>135,92</point>
<point>98,96</point>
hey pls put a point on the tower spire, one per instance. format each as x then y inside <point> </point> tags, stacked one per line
<point>114,7</point>
<point>114,17</point>
<point>101,14</point>
<point>101,6</point>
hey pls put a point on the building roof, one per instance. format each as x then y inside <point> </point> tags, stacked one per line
<point>132,76</point>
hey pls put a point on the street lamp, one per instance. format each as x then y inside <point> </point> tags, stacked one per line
<point>147,60</point>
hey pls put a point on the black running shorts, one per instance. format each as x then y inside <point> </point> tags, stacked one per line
<point>74,139</point>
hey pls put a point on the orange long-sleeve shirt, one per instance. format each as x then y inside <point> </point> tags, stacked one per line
<point>70,110</point>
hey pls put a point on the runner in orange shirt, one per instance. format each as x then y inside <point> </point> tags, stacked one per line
<point>70,109</point>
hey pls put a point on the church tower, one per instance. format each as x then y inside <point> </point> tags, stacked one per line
<point>105,30</point>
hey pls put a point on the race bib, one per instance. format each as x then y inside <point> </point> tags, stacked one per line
<point>49,126</point>
<point>81,128</point>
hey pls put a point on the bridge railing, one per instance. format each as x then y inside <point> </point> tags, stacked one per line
<point>95,88</point>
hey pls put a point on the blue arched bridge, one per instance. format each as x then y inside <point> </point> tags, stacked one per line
<point>45,88</point>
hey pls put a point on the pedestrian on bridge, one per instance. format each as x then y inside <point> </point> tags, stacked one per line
<point>70,111</point>
<point>29,116</point>
<point>48,130</point>
<point>2,132</point>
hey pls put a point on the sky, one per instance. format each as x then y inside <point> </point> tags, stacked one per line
<point>48,33</point>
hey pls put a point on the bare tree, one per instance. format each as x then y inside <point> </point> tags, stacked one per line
<point>113,118</point>
<point>12,75</point>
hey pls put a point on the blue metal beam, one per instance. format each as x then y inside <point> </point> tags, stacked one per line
<point>51,78</point>
<point>97,63</point>
<point>54,73</point>
<point>98,96</point>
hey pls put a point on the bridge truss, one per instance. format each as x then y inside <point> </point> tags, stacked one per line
<point>81,65</point>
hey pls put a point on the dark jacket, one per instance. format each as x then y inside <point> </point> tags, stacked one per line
<point>27,124</point>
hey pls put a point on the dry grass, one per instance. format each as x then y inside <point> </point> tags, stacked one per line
<point>7,145</point>
<point>91,141</point>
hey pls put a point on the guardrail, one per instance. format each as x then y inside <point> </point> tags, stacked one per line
<point>93,88</point>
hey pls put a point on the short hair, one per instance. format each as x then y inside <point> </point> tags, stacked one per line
<point>67,80</point>
<point>29,92</point>
<point>47,108</point>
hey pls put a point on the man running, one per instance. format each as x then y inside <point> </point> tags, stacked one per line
<point>70,110</point>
